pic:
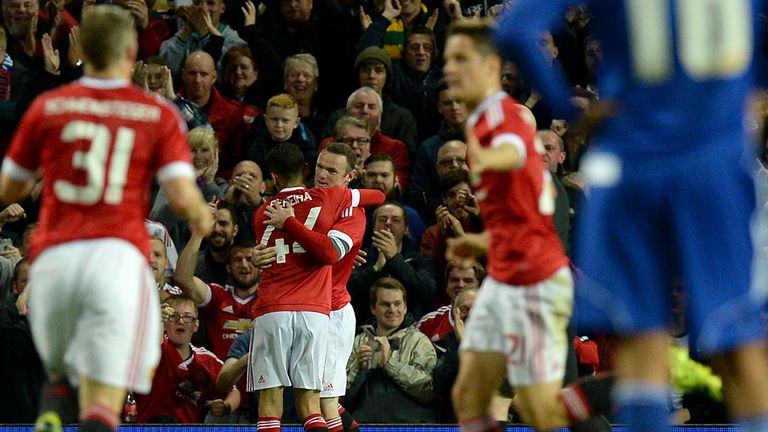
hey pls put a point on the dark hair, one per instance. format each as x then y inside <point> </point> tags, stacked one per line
<point>424,31</point>
<point>230,208</point>
<point>386,283</point>
<point>342,149</point>
<point>442,86</point>
<point>396,204</point>
<point>479,30</point>
<point>453,178</point>
<point>476,266</point>
<point>380,157</point>
<point>17,268</point>
<point>240,244</point>
<point>238,51</point>
<point>286,160</point>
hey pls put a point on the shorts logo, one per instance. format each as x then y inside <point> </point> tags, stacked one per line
<point>328,387</point>
<point>261,379</point>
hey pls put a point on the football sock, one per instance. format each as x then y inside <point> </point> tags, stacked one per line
<point>268,424</point>
<point>58,406</point>
<point>334,424</point>
<point>753,424</point>
<point>349,422</point>
<point>479,424</point>
<point>99,418</point>
<point>588,398</point>
<point>315,423</point>
<point>643,407</point>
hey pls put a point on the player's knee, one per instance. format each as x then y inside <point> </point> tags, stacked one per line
<point>542,416</point>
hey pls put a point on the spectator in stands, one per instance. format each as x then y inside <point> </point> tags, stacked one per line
<point>417,77</point>
<point>300,80</point>
<point>354,132</point>
<point>379,173</point>
<point>212,261</point>
<point>436,325</point>
<point>227,308</point>
<point>458,214</point>
<point>224,115</point>
<point>373,68</point>
<point>245,194</point>
<point>424,180</point>
<point>184,383</point>
<point>240,72</point>
<point>393,254</point>
<point>21,371</point>
<point>451,156</point>
<point>366,104</point>
<point>554,156</point>
<point>201,29</point>
<point>389,373</point>
<point>158,263</point>
<point>280,124</point>
<point>151,27</point>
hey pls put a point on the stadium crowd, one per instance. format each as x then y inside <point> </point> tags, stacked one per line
<point>248,77</point>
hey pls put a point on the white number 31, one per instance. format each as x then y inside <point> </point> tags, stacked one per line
<point>94,162</point>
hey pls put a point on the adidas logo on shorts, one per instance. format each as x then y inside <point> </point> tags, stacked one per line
<point>328,387</point>
<point>261,379</point>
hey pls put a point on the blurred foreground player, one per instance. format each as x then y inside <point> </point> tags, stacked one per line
<point>669,190</point>
<point>93,306</point>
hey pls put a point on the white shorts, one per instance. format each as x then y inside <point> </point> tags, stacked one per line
<point>288,349</point>
<point>525,323</point>
<point>94,312</point>
<point>341,337</point>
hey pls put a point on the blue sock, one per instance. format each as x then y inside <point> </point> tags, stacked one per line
<point>643,407</point>
<point>753,424</point>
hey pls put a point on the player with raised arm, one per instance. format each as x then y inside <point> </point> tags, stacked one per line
<point>519,319</point>
<point>669,191</point>
<point>98,142</point>
<point>290,330</point>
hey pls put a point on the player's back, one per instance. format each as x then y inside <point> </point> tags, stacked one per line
<point>680,70</point>
<point>99,144</point>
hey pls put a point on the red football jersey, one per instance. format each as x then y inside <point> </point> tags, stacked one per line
<point>227,317</point>
<point>352,224</point>
<point>516,205</point>
<point>296,281</point>
<point>435,325</point>
<point>181,387</point>
<point>99,144</point>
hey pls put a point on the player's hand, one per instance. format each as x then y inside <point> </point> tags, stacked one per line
<point>22,301</point>
<point>12,213</point>
<point>263,256</point>
<point>463,250</point>
<point>360,259</point>
<point>218,407</point>
<point>278,214</point>
<point>386,350</point>
<point>385,242</point>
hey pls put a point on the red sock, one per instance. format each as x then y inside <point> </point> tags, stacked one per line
<point>315,423</point>
<point>349,422</point>
<point>334,424</point>
<point>479,424</point>
<point>268,424</point>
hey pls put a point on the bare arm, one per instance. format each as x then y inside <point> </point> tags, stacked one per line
<point>184,275</point>
<point>231,372</point>
<point>12,190</point>
<point>187,201</point>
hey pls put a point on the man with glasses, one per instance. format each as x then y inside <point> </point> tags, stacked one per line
<point>184,383</point>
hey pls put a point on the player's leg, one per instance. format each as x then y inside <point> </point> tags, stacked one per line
<point>102,405</point>
<point>310,346</point>
<point>270,350</point>
<point>624,251</point>
<point>480,374</point>
<point>724,296</point>
<point>341,336</point>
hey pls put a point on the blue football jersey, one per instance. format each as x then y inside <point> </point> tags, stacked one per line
<point>680,70</point>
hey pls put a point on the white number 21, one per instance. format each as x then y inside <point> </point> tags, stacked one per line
<point>94,163</point>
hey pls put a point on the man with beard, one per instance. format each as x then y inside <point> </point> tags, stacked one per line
<point>244,193</point>
<point>212,263</point>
